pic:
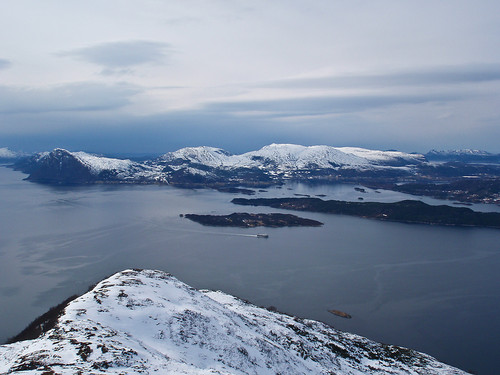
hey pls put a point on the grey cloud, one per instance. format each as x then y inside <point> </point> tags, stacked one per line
<point>119,57</point>
<point>436,76</point>
<point>121,132</point>
<point>65,98</point>
<point>325,105</point>
<point>4,64</point>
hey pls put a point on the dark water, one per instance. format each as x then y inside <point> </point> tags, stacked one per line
<point>435,289</point>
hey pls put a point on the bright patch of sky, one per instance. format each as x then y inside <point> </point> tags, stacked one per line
<point>153,76</point>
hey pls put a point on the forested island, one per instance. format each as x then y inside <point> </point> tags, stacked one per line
<point>407,211</point>
<point>249,220</point>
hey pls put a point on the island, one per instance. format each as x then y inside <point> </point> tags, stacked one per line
<point>236,190</point>
<point>406,211</point>
<point>340,313</point>
<point>250,220</point>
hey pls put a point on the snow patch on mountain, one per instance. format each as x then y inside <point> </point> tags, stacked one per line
<point>210,156</point>
<point>140,321</point>
<point>377,156</point>
<point>97,164</point>
<point>291,157</point>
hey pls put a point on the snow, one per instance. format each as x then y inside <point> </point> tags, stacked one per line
<point>210,156</point>
<point>383,156</point>
<point>97,164</point>
<point>143,321</point>
<point>290,157</point>
<point>214,164</point>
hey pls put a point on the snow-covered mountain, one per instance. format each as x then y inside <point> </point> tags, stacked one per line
<point>292,157</point>
<point>140,321</point>
<point>205,165</point>
<point>62,166</point>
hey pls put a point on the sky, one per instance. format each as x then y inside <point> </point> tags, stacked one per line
<point>151,76</point>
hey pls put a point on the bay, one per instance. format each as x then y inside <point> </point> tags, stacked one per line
<point>431,288</point>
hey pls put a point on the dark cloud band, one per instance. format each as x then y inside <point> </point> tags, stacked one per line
<point>436,76</point>
<point>122,55</point>
<point>66,98</point>
<point>326,105</point>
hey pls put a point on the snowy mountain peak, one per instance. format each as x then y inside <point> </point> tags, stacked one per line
<point>290,156</point>
<point>140,321</point>
<point>210,156</point>
<point>95,164</point>
<point>61,166</point>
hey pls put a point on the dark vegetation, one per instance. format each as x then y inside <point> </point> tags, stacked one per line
<point>248,220</point>
<point>43,323</point>
<point>407,211</point>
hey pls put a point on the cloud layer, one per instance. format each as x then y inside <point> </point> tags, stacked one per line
<point>160,74</point>
<point>449,75</point>
<point>122,55</point>
<point>72,97</point>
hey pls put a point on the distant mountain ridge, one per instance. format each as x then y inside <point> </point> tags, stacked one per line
<point>204,165</point>
<point>143,321</point>
<point>463,155</point>
<point>290,156</point>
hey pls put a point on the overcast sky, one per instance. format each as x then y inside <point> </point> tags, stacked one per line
<point>152,76</point>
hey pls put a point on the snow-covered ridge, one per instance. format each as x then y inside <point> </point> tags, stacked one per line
<point>290,156</point>
<point>383,156</point>
<point>210,156</point>
<point>97,164</point>
<point>149,322</point>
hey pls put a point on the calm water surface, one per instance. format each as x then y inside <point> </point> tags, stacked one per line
<point>434,289</point>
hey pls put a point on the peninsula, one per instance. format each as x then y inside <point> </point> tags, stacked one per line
<point>407,211</point>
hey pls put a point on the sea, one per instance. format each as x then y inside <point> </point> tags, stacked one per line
<point>431,288</point>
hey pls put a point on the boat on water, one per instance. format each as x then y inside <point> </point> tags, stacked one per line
<point>262,235</point>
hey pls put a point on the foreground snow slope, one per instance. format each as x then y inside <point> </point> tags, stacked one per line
<point>141,321</point>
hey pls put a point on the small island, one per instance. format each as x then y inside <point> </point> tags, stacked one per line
<point>407,211</point>
<point>248,220</point>
<point>340,313</point>
<point>235,190</point>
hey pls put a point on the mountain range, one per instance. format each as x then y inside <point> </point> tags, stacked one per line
<point>210,165</point>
